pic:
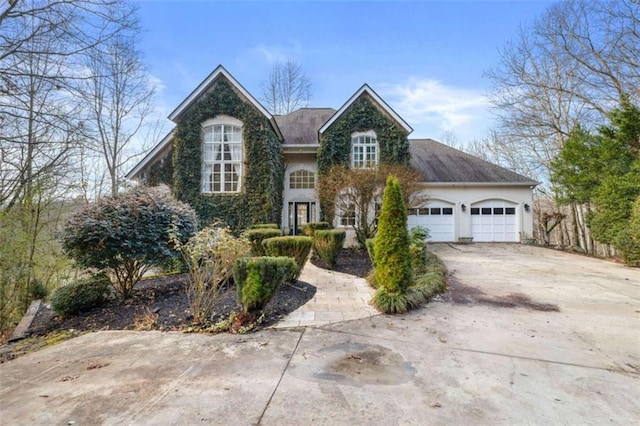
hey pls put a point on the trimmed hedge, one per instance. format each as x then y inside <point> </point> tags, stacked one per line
<point>82,295</point>
<point>297,247</point>
<point>265,226</point>
<point>310,228</point>
<point>327,244</point>
<point>256,236</point>
<point>258,278</point>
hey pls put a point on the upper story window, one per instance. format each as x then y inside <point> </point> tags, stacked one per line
<point>221,155</point>
<point>302,179</point>
<point>364,150</point>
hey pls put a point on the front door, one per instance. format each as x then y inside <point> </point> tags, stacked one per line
<point>302,213</point>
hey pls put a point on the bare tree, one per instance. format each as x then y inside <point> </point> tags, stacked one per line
<point>286,88</point>
<point>118,101</point>
<point>567,68</point>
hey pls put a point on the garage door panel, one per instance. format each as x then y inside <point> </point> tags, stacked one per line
<point>438,218</point>
<point>494,220</point>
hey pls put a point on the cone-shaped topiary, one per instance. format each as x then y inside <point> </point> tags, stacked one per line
<point>392,257</point>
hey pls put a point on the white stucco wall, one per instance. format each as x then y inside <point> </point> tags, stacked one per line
<point>296,162</point>
<point>471,194</point>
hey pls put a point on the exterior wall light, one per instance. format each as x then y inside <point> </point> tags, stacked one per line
<point>464,208</point>
<point>527,207</point>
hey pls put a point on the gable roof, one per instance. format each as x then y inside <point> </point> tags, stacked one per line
<point>368,90</point>
<point>439,163</point>
<point>203,87</point>
<point>301,126</point>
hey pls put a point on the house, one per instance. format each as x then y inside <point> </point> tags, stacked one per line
<point>234,161</point>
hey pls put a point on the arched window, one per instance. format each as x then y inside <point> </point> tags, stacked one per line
<point>302,179</point>
<point>364,150</point>
<point>221,156</point>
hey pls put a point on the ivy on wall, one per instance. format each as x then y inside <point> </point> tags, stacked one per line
<point>335,142</point>
<point>260,200</point>
<point>161,172</point>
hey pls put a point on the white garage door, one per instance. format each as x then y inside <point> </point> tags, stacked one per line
<point>494,220</point>
<point>437,217</point>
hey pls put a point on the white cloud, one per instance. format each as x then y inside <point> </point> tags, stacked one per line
<point>433,108</point>
<point>276,52</point>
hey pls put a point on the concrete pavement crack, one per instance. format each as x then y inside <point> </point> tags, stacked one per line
<point>284,370</point>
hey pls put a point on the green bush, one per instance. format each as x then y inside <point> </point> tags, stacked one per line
<point>256,236</point>
<point>629,242</point>
<point>327,244</point>
<point>82,295</point>
<point>370,245</point>
<point>258,278</point>
<point>265,226</point>
<point>392,257</point>
<point>430,283</point>
<point>311,227</point>
<point>418,248</point>
<point>37,289</point>
<point>126,235</point>
<point>297,247</point>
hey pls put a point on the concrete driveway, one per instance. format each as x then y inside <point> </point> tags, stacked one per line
<point>527,336</point>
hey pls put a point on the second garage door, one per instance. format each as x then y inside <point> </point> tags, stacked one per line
<point>437,217</point>
<point>494,220</point>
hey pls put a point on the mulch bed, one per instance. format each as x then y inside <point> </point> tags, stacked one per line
<point>161,304</point>
<point>351,261</point>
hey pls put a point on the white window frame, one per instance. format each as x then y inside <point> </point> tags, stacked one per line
<point>222,146</point>
<point>302,177</point>
<point>364,150</point>
<point>348,216</point>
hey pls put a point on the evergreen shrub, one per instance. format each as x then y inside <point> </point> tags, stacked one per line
<point>265,226</point>
<point>311,227</point>
<point>393,263</point>
<point>256,236</point>
<point>327,245</point>
<point>81,296</point>
<point>297,247</point>
<point>258,278</point>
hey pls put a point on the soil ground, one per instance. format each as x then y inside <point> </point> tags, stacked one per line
<point>161,304</point>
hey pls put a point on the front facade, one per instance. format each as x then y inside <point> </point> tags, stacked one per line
<point>237,164</point>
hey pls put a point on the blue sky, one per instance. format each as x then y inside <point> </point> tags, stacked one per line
<point>426,58</point>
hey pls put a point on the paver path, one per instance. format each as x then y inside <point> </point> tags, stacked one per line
<point>339,297</point>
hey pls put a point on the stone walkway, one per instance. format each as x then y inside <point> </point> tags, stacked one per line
<point>339,297</point>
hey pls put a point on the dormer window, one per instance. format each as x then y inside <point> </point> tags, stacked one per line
<point>364,150</point>
<point>222,155</point>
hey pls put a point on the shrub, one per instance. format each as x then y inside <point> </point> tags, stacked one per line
<point>296,247</point>
<point>265,226</point>
<point>393,264</point>
<point>311,227</point>
<point>418,248</point>
<point>258,278</point>
<point>255,237</point>
<point>126,235</point>
<point>629,242</point>
<point>430,283</point>
<point>370,245</point>
<point>82,295</point>
<point>37,289</point>
<point>210,255</point>
<point>327,244</point>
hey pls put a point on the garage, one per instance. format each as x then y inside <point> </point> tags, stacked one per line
<point>437,217</point>
<point>494,220</point>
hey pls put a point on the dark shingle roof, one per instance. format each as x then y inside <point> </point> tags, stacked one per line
<point>301,126</point>
<point>441,163</point>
